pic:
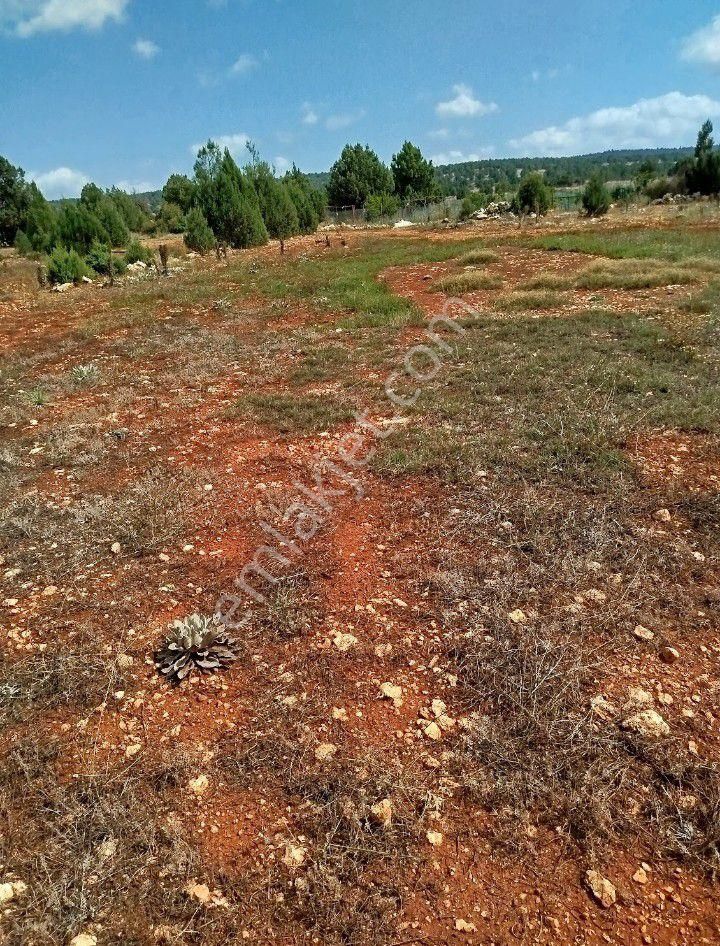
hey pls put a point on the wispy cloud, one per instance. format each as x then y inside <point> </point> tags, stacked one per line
<point>457,157</point>
<point>309,115</point>
<point>145,48</point>
<point>244,64</point>
<point>282,164</point>
<point>668,120</point>
<point>464,104</point>
<point>28,17</point>
<point>703,46</point>
<point>236,144</point>
<point>60,182</point>
<point>344,119</point>
<point>138,187</point>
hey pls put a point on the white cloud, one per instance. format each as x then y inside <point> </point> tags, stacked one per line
<point>343,119</point>
<point>703,46</point>
<point>282,164</point>
<point>234,143</point>
<point>457,157</point>
<point>440,133</point>
<point>464,105</point>
<point>28,17</point>
<point>146,48</point>
<point>137,187</point>
<point>60,182</point>
<point>309,115</point>
<point>668,120</point>
<point>244,64</point>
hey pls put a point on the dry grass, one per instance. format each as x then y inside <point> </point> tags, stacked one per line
<point>469,281</point>
<point>532,301</point>
<point>477,258</point>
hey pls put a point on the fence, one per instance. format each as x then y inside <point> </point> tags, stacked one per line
<point>416,211</point>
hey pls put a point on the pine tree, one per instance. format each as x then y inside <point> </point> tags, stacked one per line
<point>198,235</point>
<point>412,174</point>
<point>356,174</point>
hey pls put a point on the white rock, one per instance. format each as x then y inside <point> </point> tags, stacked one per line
<point>344,642</point>
<point>294,857</point>
<point>435,838</point>
<point>643,633</point>
<point>11,889</point>
<point>662,515</point>
<point>83,939</point>
<point>390,691</point>
<point>601,888</point>
<point>325,751</point>
<point>518,617</point>
<point>648,724</point>
<point>381,813</point>
<point>198,786</point>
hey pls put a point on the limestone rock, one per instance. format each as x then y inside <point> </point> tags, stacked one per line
<point>601,888</point>
<point>647,723</point>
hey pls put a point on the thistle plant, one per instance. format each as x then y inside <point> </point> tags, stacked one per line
<point>196,642</point>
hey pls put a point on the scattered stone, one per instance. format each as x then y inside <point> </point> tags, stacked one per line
<point>438,707</point>
<point>668,654</point>
<point>49,591</point>
<point>107,849</point>
<point>325,751</point>
<point>603,708</point>
<point>662,515</point>
<point>601,888</point>
<point>62,287</point>
<point>339,713</point>
<point>11,889</point>
<point>433,731</point>
<point>132,750</point>
<point>435,838</point>
<point>83,939</point>
<point>294,857</point>
<point>518,617</point>
<point>648,724</point>
<point>594,594</point>
<point>198,786</point>
<point>124,661</point>
<point>383,650</point>
<point>116,548</point>
<point>344,642</point>
<point>381,813</point>
<point>463,927</point>
<point>643,633</point>
<point>199,892</point>
<point>640,876</point>
<point>390,691</point>
<point>639,697</point>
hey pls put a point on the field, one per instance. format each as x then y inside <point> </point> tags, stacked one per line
<point>456,493</point>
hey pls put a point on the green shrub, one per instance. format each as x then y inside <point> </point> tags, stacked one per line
<point>533,196</point>
<point>65,266</point>
<point>101,259</point>
<point>381,205</point>
<point>596,197</point>
<point>23,244</point>
<point>198,235</point>
<point>137,253</point>
<point>473,202</point>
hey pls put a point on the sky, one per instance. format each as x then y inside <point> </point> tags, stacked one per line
<point>121,92</point>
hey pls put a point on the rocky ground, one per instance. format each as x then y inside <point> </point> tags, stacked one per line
<point>479,704</point>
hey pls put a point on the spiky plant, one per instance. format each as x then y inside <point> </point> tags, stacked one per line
<point>85,374</point>
<point>196,642</point>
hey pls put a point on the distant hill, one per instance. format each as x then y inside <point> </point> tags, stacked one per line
<point>560,172</point>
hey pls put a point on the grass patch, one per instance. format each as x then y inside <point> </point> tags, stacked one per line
<point>673,245</point>
<point>634,274</point>
<point>529,301</point>
<point>477,258</point>
<point>292,414</point>
<point>471,281</point>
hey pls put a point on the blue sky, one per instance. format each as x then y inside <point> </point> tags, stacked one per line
<point>120,91</point>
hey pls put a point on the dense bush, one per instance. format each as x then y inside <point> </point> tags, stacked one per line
<point>65,266</point>
<point>473,202</point>
<point>596,198</point>
<point>228,199</point>
<point>381,205</point>
<point>137,253</point>
<point>533,196</point>
<point>198,235</point>
<point>101,259</point>
<point>170,218</point>
<point>23,244</point>
<point>702,172</point>
<point>179,190</point>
